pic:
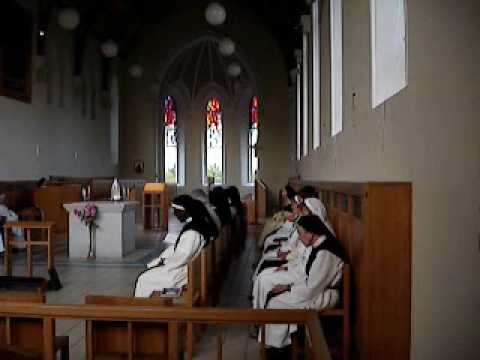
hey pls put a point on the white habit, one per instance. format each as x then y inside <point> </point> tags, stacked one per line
<point>174,271</point>
<point>315,291</point>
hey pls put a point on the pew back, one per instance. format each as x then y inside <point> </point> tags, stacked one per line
<point>192,295</point>
<point>26,333</point>
<point>261,194</point>
<point>131,339</point>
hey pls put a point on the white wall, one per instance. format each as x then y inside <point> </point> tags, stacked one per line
<point>58,121</point>
<point>427,134</point>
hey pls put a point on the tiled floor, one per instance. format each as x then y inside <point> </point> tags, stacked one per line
<point>116,278</point>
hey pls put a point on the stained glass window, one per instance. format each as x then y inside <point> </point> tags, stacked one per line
<point>214,141</point>
<point>171,148</point>
<point>252,140</point>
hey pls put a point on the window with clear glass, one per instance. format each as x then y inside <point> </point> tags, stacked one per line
<point>171,146</point>
<point>252,140</point>
<point>214,141</point>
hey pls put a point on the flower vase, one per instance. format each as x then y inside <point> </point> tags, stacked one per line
<point>91,244</point>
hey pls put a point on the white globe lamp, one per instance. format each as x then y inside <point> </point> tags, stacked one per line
<point>68,18</point>
<point>215,14</point>
<point>226,47</point>
<point>110,48</point>
<point>136,71</point>
<point>234,70</point>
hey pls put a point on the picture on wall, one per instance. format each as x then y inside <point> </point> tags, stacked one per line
<point>138,166</point>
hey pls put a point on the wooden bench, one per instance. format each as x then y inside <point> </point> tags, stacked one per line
<point>131,339</point>
<point>32,335</point>
<point>23,283</point>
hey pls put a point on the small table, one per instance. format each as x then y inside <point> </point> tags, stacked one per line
<point>27,227</point>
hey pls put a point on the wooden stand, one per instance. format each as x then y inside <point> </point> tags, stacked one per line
<point>155,206</point>
<point>27,227</point>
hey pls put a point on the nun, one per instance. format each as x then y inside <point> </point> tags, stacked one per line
<point>288,251</point>
<point>170,269</point>
<point>311,284</point>
<point>200,195</point>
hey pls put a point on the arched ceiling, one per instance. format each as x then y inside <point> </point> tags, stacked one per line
<point>200,64</point>
<point>124,20</point>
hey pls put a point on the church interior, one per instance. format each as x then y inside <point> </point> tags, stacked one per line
<point>188,171</point>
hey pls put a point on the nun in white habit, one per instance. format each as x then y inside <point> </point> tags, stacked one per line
<point>312,284</point>
<point>169,270</point>
<point>288,251</point>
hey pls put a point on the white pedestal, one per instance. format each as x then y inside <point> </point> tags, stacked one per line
<point>114,237</point>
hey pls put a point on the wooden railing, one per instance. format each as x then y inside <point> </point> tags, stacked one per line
<point>316,342</point>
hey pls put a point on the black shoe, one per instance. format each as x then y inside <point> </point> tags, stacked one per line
<point>284,353</point>
<point>253,331</point>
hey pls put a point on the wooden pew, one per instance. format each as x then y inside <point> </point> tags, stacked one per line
<point>261,194</point>
<point>226,248</point>
<point>207,274</point>
<point>23,283</point>
<point>373,222</point>
<point>50,199</point>
<point>31,335</point>
<point>131,339</point>
<point>342,312</point>
<point>191,296</point>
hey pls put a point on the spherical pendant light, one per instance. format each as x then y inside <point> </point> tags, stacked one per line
<point>68,18</point>
<point>110,48</point>
<point>234,70</point>
<point>215,14</point>
<point>136,71</point>
<point>226,47</point>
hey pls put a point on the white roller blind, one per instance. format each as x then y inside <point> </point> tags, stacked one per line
<point>336,41</point>
<point>316,73</point>
<point>388,33</point>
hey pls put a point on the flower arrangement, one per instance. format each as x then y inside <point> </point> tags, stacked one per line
<point>88,215</point>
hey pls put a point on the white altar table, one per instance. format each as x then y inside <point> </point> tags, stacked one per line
<point>114,236</point>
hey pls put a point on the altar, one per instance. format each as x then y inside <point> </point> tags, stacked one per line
<point>114,235</point>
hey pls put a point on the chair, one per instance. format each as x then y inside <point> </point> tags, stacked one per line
<point>31,335</point>
<point>131,339</point>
